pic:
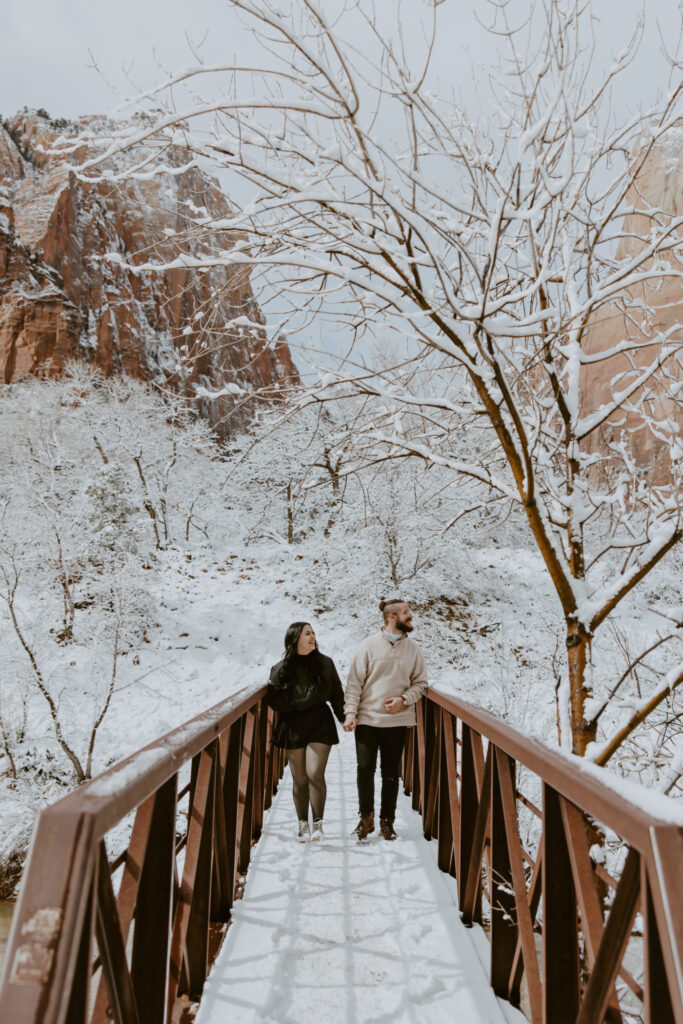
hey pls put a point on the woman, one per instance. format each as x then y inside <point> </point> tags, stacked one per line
<point>301,685</point>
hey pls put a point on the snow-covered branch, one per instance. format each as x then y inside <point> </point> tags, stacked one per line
<point>489,256</point>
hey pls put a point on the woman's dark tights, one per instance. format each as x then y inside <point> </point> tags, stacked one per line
<point>307,765</point>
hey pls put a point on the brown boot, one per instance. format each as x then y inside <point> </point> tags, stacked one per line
<point>365,826</point>
<point>386,827</point>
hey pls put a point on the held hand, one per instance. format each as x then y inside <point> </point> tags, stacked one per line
<point>350,724</point>
<point>393,705</point>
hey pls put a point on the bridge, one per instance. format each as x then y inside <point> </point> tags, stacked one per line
<point>133,904</point>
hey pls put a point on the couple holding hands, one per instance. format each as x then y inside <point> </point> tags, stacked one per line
<point>386,679</point>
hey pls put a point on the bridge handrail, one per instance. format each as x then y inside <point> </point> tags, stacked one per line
<point>462,769</point>
<point>67,900</point>
<point>568,774</point>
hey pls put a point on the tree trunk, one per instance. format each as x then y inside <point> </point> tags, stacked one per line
<point>333,470</point>
<point>290,515</point>
<point>578,659</point>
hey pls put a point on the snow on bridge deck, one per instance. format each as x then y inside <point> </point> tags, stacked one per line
<point>347,932</point>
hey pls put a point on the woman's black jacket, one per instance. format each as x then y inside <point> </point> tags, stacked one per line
<point>301,699</point>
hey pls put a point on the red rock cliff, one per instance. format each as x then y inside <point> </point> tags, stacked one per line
<point>59,298</point>
<point>660,185</point>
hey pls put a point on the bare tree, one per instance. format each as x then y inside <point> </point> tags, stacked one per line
<point>8,593</point>
<point>395,503</point>
<point>118,625</point>
<point>483,250</point>
<point>12,728</point>
<point>647,698</point>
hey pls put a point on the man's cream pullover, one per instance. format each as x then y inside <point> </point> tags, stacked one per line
<point>379,670</point>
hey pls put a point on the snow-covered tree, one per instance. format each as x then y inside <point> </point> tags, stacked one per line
<point>96,476</point>
<point>481,248</point>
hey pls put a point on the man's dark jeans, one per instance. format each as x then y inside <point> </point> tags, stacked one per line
<point>389,741</point>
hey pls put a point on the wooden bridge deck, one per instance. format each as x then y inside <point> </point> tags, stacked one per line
<point>349,932</point>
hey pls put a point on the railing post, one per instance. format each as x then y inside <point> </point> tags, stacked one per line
<point>258,757</point>
<point>199,916</point>
<point>407,762</point>
<point>450,737</point>
<point>447,799</point>
<point>220,885</point>
<point>79,1001</point>
<point>246,791</point>
<point>231,795</point>
<point>415,779</point>
<point>664,861</point>
<point>271,762</point>
<point>560,929</point>
<point>419,757</point>
<point>469,818</point>
<point>503,910</point>
<point>468,808</point>
<point>524,916</point>
<point>127,894</point>
<point>116,998</point>
<point>658,1006</point>
<point>614,940</point>
<point>152,937</point>
<point>432,765</point>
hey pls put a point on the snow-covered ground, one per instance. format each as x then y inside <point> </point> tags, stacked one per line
<point>346,932</point>
<point>172,612</point>
<point>218,624</point>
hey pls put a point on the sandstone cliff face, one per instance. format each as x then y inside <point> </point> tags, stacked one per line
<point>659,185</point>
<point>60,299</point>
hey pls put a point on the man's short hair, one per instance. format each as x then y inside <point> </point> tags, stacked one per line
<point>388,608</point>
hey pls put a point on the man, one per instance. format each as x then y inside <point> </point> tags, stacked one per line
<point>386,679</point>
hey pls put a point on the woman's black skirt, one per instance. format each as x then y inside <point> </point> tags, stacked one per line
<point>295,729</point>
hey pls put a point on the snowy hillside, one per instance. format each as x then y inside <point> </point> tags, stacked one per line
<point>150,573</point>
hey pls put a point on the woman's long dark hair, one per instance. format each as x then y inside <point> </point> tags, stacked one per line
<point>291,642</point>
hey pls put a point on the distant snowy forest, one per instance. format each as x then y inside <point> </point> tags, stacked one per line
<point>147,571</point>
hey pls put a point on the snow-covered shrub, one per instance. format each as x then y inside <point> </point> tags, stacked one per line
<point>97,476</point>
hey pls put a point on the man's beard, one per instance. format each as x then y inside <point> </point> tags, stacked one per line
<point>404,627</point>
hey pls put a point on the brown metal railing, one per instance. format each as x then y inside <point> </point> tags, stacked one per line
<point>568,938</point>
<point>132,940</point>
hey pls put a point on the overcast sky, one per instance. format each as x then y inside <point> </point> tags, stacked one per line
<point>47,49</point>
<point>45,46</point>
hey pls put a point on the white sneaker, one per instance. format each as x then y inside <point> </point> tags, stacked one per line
<point>304,831</point>
<point>318,833</point>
